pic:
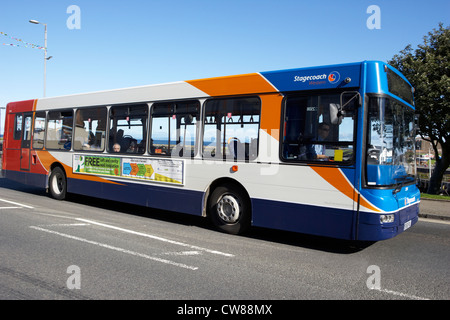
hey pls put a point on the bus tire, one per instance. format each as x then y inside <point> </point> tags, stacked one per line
<point>229,209</point>
<point>58,184</point>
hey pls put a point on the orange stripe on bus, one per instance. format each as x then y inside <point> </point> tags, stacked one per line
<point>251,83</point>
<point>271,113</point>
<point>337,179</point>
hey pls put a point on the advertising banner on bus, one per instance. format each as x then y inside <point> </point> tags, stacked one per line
<point>159,170</point>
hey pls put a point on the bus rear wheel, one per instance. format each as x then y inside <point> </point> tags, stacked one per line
<point>229,209</point>
<point>58,184</point>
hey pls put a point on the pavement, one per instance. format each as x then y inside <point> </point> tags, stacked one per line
<point>434,209</point>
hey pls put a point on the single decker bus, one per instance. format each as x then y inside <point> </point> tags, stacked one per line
<point>325,150</point>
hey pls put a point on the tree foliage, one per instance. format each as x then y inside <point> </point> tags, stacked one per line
<point>428,70</point>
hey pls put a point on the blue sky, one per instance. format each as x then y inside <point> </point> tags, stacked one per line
<point>136,42</point>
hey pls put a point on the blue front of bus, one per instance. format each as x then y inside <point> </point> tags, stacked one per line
<point>388,179</point>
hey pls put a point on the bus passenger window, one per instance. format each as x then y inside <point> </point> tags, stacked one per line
<point>39,130</point>
<point>90,129</point>
<point>18,127</point>
<point>59,130</point>
<point>174,128</point>
<point>231,128</point>
<point>128,128</point>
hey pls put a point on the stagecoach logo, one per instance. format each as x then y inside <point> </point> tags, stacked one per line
<point>334,77</point>
<point>319,79</point>
<point>310,78</point>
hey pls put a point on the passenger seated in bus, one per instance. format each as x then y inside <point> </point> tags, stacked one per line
<point>115,138</point>
<point>116,147</point>
<point>133,147</point>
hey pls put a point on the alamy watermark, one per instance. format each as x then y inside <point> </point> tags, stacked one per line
<point>74,280</point>
<point>374,20</point>
<point>374,280</point>
<point>74,20</point>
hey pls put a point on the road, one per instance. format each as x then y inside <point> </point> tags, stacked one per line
<point>85,248</point>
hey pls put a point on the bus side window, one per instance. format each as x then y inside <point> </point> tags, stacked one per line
<point>90,128</point>
<point>231,128</point>
<point>128,128</point>
<point>174,128</point>
<point>39,130</point>
<point>59,130</point>
<point>18,127</point>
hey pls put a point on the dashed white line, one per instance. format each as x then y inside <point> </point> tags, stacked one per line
<point>17,204</point>
<point>183,253</point>
<point>65,225</point>
<point>157,238</point>
<point>400,294</point>
<point>107,246</point>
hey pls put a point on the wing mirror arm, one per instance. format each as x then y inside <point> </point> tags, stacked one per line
<point>338,111</point>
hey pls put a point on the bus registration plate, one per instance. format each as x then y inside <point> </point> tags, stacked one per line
<point>407,225</point>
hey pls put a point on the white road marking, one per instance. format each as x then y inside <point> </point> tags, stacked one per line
<point>107,246</point>
<point>17,204</point>
<point>395,293</point>
<point>65,225</point>
<point>10,208</point>
<point>183,253</point>
<point>157,238</point>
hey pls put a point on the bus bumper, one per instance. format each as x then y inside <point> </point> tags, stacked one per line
<point>370,227</point>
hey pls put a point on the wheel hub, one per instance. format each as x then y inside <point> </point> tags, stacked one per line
<point>228,209</point>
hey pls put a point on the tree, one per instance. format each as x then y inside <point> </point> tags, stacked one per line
<point>428,70</point>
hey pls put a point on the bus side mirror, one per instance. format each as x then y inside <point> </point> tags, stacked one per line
<point>338,111</point>
<point>336,115</point>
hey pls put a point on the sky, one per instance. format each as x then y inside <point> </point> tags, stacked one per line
<point>100,45</point>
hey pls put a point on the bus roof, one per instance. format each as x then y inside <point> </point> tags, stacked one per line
<point>310,78</point>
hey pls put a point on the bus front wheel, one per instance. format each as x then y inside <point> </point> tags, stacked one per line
<point>229,209</point>
<point>58,184</point>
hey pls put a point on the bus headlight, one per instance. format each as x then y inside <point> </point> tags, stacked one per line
<point>386,218</point>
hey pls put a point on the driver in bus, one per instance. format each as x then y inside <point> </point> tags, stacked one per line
<point>324,130</point>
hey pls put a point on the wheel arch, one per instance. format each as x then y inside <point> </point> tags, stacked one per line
<point>221,181</point>
<point>54,165</point>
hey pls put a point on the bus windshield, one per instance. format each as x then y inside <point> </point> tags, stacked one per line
<point>390,147</point>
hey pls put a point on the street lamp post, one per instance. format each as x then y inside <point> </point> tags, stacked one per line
<point>45,52</point>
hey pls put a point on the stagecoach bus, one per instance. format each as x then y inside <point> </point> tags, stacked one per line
<point>325,150</point>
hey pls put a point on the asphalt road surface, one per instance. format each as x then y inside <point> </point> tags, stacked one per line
<point>86,248</point>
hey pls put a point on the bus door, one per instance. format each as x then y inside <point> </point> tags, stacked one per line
<point>26,142</point>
